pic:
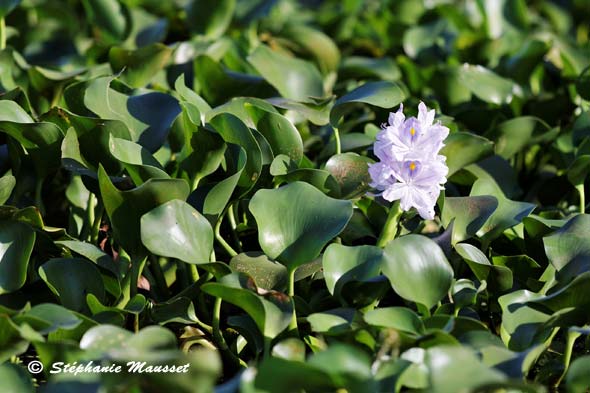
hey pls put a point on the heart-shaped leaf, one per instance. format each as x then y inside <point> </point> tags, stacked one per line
<point>296,221</point>
<point>174,229</point>
<point>417,269</point>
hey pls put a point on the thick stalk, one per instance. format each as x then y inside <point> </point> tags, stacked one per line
<point>580,188</point>
<point>220,239</point>
<point>391,225</point>
<point>2,34</point>
<point>96,224</point>
<point>337,140</point>
<point>291,293</point>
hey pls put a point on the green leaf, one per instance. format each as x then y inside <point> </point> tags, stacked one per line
<point>210,19</point>
<point>139,65</point>
<point>266,273</point>
<point>380,94</point>
<point>332,322</point>
<point>578,375</point>
<point>351,171</point>
<point>399,318</point>
<point>487,85</point>
<point>465,148</point>
<point>521,324</point>
<point>110,18</point>
<point>7,184</point>
<point>176,230</point>
<point>138,162</point>
<point>16,379</point>
<point>281,134</point>
<point>83,277</point>
<point>233,130</point>
<point>567,248</point>
<point>16,245</point>
<point>296,221</point>
<point>357,268</point>
<point>125,208</point>
<point>271,310</point>
<point>514,135</point>
<point>452,369</point>
<point>417,269</point>
<point>578,170</point>
<point>316,43</point>
<point>468,215</point>
<point>508,214</point>
<point>294,78</point>
<point>498,278</point>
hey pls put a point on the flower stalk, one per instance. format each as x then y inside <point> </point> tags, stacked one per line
<point>391,226</point>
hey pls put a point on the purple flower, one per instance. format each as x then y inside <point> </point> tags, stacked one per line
<point>410,169</point>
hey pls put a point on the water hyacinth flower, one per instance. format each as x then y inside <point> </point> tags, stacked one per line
<point>411,169</point>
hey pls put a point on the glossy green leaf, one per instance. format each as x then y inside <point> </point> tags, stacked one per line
<point>296,221</point>
<point>125,208</point>
<point>7,184</point>
<point>210,19</point>
<point>271,310</point>
<point>512,136</point>
<point>357,268</point>
<point>452,369</point>
<point>487,85</point>
<point>294,78</point>
<point>351,171</point>
<point>266,273</point>
<point>110,18</point>
<point>508,213</point>
<point>417,269</point>
<point>398,318</point>
<point>16,379</point>
<point>498,278</point>
<point>468,215</point>
<point>83,277</point>
<point>174,229</point>
<point>578,376</point>
<point>464,148</point>
<point>16,245</point>
<point>140,65</point>
<point>380,94</point>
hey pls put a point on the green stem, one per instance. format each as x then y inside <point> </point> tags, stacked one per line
<point>391,225</point>
<point>218,336</point>
<point>193,273</point>
<point>337,139</point>
<point>267,345</point>
<point>580,188</point>
<point>96,224</point>
<point>293,325</point>
<point>572,336</point>
<point>182,274</point>
<point>220,239</point>
<point>2,34</point>
<point>233,225</point>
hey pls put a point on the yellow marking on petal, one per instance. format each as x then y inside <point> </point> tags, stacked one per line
<point>412,164</point>
<point>412,131</point>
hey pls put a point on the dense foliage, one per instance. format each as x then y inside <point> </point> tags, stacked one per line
<point>186,182</point>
